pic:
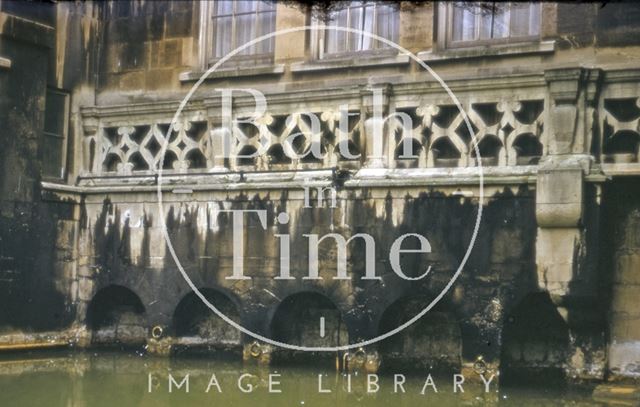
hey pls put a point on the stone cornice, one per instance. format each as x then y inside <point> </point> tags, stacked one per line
<point>383,178</point>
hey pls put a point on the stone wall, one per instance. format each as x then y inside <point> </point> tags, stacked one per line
<point>20,207</point>
<point>42,47</point>
<point>621,242</point>
<point>148,44</point>
<point>123,245</point>
<point>594,24</point>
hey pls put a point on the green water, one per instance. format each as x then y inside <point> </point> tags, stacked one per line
<point>122,379</point>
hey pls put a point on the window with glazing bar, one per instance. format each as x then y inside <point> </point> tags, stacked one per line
<point>484,23</point>
<point>53,150</point>
<point>377,18</point>
<point>234,23</point>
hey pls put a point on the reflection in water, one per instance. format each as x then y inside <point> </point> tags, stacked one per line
<point>124,379</point>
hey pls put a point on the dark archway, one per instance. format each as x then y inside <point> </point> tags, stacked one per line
<point>297,321</point>
<point>196,327</point>
<point>433,342</point>
<point>535,341</point>
<point>116,316</point>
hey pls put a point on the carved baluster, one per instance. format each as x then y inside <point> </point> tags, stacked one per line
<point>509,127</point>
<point>375,127</point>
<point>126,148</point>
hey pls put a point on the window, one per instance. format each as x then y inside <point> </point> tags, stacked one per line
<point>234,23</point>
<point>375,18</point>
<point>53,151</point>
<point>480,23</point>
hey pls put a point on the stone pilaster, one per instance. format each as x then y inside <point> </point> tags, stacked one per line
<point>560,185</point>
<point>560,206</point>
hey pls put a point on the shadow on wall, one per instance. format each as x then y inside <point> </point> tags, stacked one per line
<point>434,342</point>
<point>116,317</point>
<point>297,321</point>
<point>535,344</point>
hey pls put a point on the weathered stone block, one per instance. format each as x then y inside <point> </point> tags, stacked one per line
<point>160,78</point>
<point>74,291</point>
<point>624,358</point>
<point>165,54</point>
<point>416,28</point>
<point>555,250</point>
<point>179,24</point>
<point>625,298</point>
<point>627,269</point>
<point>559,197</point>
<point>130,80</point>
<point>85,289</point>
<point>291,46</point>
<point>506,246</point>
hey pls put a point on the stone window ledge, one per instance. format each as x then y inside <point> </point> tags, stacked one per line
<point>5,63</point>
<point>353,61</point>
<point>543,47</point>
<point>260,70</point>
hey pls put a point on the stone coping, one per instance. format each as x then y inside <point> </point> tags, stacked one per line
<point>235,181</point>
<point>233,72</point>
<point>354,61</point>
<point>370,178</point>
<point>543,47</point>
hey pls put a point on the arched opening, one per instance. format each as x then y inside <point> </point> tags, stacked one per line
<point>277,155</point>
<point>433,342</point>
<point>528,149</point>
<point>169,159</point>
<point>410,159</point>
<point>116,316</point>
<point>308,319</point>
<point>196,159</point>
<point>489,149</point>
<point>445,154</point>
<point>622,147</point>
<point>139,163</point>
<point>110,163</point>
<point>535,342</point>
<point>197,328</point>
